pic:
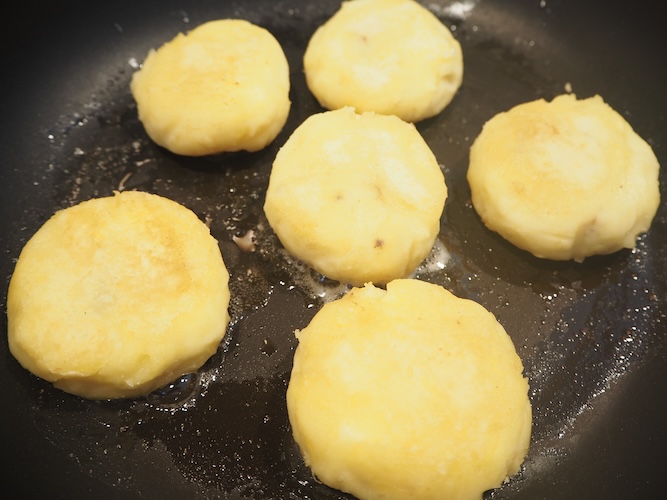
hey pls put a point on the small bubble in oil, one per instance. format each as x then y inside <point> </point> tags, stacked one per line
<point>176,391</point>
<point>268,348</point>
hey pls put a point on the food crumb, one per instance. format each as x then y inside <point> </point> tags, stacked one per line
<point>246,242</point>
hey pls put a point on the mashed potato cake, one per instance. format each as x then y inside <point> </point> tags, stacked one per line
<point>565,179</point>
<point>118,296</point>
<point>222,87</point>
<point>357,197</point>
<point>408,392</point>
<point>388,56</point>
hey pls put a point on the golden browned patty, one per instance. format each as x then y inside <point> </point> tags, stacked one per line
<point>118,296</point>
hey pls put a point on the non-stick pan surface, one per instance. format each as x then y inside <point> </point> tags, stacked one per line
<point>592,336</point>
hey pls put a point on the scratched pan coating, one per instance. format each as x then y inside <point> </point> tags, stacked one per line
<point>592,336</point>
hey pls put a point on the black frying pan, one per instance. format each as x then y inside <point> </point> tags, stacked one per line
<point>592,336</point>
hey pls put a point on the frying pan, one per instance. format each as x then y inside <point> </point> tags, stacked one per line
<point>592,336</point>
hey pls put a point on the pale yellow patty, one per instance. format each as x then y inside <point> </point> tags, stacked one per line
<point>118,296</point>
<point>387,56</point>
<point>222,87</point>
<point>565,179</point>
<point>410,393</point>
<point>358,197</point>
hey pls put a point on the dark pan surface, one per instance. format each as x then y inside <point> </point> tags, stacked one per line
<point>592,337</point>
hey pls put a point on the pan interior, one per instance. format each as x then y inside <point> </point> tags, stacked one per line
<point>585,332</point>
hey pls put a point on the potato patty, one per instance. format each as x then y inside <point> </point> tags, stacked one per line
<point>118,296</point>
<point>222,87</point>
<point>358,197</point>
<point>387,56</point>
<point>565,179</point>
<point>408,392</point>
